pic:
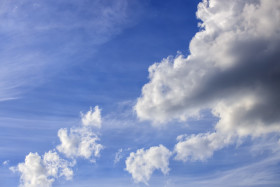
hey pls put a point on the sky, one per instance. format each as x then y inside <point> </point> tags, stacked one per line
<point>140,93</point>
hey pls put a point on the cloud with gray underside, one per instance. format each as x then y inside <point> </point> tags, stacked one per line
<point>233,70</point>
<point>233,62</point>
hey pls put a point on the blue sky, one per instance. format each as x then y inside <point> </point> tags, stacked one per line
<point>138,93</point>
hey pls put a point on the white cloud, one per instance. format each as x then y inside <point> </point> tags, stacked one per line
<point>92,118</point>
<point>39,171</point>
<point>232,69</point>
<point>82,141</point>
<point>118,156</point>
<point>200,146</point>
<point>6,162</point>
<point>222,64</point>
<point>142,164</point>
<point>79,142</point>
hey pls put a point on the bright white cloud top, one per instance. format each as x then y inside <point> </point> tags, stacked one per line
<point>82,141</point>
<point>143,163</point>
<point>232,62</point>
<point>92,118</point>
<point>232,69</point>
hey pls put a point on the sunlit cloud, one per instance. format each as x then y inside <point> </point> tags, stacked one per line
<point>232,69</point>
<point>42,171</point>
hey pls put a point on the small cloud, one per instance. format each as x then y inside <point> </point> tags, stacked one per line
<point>43,170</point>
<point>6,162</point>
<point>92,118</point>
<point>118,156</point>
<point>79,142</point>
<point>142,164</point>
<point>82,141</point>
<point>200,146</point>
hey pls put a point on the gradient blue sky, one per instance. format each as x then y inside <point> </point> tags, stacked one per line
<point>59,58</point>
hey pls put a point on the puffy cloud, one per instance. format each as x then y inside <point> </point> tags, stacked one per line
<point>92,118</point>
<point>200,146</point>
<point>39,171</point>
<point>82,141</point>
<point>79,142</point>
<point>142,164</point>
<point>235,122</point>
<point>233,69</point>
<point>231,56</point>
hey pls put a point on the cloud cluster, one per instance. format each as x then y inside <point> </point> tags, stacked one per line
<point>233,69</point>
<point>142,164</point>
<point>82,141</point>
<point>41,171</point>
<point>79,142</point>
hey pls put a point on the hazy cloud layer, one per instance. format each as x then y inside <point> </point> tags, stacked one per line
<point>142,164</point>
<point>233,69</point>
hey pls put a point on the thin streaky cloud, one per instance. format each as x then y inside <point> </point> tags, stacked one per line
<point>40,37</point>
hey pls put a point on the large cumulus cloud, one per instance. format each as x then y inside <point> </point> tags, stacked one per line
<point>233,69</point>
<point>235,54</point>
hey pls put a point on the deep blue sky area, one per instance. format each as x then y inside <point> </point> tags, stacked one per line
<point>60,58</point>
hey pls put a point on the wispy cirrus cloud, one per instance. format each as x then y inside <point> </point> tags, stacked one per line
<point>40,38</point>
<point>260,173</point>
